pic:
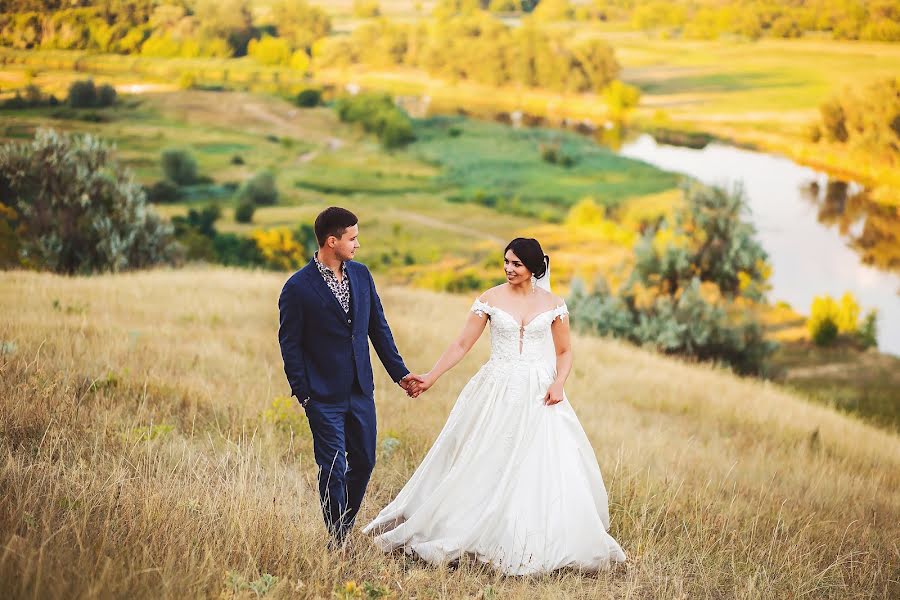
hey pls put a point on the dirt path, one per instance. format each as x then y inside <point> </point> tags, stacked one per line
<point>460,229</point>
<point>265,114</point>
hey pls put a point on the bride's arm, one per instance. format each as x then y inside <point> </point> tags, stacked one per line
<point>563,343</point>
<point>455,352</point>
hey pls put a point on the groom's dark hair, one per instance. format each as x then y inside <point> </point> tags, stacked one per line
<point>334,220</point>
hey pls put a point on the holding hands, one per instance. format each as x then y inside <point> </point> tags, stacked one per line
<point>414,385</point>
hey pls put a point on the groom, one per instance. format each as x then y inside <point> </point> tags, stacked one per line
<point>329,310</point>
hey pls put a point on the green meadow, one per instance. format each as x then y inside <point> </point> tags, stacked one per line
<point>754,84</point>
<point>449,200</point>
<point>150,448</point>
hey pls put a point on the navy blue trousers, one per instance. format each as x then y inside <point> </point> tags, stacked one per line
<point>344,443</point>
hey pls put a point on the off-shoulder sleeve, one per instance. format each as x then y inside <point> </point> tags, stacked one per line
<point>480,308</point>
<point>560,312</point>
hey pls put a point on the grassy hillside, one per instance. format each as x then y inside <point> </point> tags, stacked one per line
<point>146,453</point>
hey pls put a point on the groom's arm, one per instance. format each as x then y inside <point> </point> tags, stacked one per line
<point>382,338</point>
<point>290,331</point>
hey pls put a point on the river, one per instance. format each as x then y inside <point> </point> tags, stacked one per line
<point>810,247</point>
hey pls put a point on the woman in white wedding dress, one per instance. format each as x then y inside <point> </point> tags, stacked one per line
<point>512,479</point>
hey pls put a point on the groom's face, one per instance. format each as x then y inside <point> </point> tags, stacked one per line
<point>345,247</point>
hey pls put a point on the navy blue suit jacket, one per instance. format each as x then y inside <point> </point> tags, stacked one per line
<point>325,349</point>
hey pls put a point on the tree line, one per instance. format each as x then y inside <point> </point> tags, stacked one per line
<point>184,28</point>
<point>874,20</point>
<point>866,118</point>
<point>457,43</point>
<point>477,47</point>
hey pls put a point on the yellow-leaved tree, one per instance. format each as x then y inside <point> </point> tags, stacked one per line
<point>279,248</point>
<point>829,319</point>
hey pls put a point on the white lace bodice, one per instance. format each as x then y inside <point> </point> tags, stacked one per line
<point>511,341</point>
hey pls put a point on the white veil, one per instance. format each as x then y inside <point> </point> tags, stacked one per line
<point>549,350</point>
<point>544,282</point>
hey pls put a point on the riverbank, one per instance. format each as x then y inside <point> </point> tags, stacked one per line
<point>434,213</point>
<point>761,95</point>
<point>821,237</point>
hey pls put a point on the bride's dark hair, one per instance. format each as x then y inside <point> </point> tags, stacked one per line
<point>531,254</point>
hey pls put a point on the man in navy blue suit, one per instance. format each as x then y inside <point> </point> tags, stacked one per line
<point>329,310</point>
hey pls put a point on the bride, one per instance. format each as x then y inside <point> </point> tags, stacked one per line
<point>512,479</point>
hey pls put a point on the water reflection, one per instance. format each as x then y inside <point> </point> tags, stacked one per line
<point>872,229</point>
<point>822,236</point>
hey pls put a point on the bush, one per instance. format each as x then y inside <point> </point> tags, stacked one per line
<point>244,212</point>
<point>868,330</point>
<point>834,121</point>
<point>377,114</point>
<point>270,51</point>
<point>550,154</point>
<point>197,235</point>
<point>693,287</point>
<point>33,98</point>
<point>202,221</point>
<point>106,95</point>
<point>9,237</point>
<point>179,166</point>
<point>47,182</point>
<point>867,119</point>
<point>237,159</point>
<point>279,248</point>
<point>163,192</point>
<point>232,249</point>
<point>259,190</point>
<point>586,213</point>
<point>395,130</point>
<point>83,94</point>
<point>830,320</point>
<point>309,98</point>
<point>824,333</point>
<point>621,98</point>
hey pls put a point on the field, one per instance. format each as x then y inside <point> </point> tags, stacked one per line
<point>435,215</point>
<point>451,199</point>
<point>147,454</point>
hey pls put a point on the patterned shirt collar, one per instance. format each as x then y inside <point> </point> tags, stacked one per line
<point>326,271</point>
<point>340,289</point>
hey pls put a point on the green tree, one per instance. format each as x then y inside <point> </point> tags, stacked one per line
<point>179,166</point>
<point>259,190</point>
<point>80,210</point>
<point>620,99</point>
<point>834,120</point>
<point>596,59</point>
<point>230,20</point>
<point>693,288</point>
<point>300,23</point>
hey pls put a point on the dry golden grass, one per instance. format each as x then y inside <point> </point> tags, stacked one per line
<point>142,457</point>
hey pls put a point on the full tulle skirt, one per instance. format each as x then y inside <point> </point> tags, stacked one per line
<point>509,481</point>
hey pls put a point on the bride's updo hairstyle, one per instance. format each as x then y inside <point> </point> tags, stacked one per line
<point>531,254</point>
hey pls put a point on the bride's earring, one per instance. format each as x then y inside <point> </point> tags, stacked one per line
<point>532,284</point>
